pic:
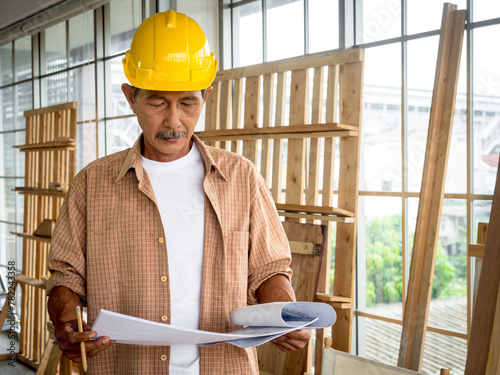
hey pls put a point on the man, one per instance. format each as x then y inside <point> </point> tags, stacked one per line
<point>170,230</point>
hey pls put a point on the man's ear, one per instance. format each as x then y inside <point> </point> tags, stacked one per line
<point>207,92</point>
<point>129,93</point>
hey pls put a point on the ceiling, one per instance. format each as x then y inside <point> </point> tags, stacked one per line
<point>15,11</point>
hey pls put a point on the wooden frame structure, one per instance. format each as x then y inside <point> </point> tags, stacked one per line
<point>50,166</point>
<point>483,355</point>
<point>432,192</point>
<point>308,108</point>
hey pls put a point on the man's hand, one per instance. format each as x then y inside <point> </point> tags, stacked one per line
<point>69,339</point>
<point>278,289</point>
<point>292,341</point>
<point>62,310</point>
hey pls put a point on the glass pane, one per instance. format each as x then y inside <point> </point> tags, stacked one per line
<point>56,89</point>
<point>481,211</point>
<point>381,19</point>
<point>422,57</point>
<point>116,104</point>
<point>121,134</point>
<point>426,15</point>
<point>486,114</point>
<point>380,342</point>
<point>6,64</point>
<point>20,157</point>
<point>456,173</point>
<point>22,51</point>
<point>381,170</point>
<point>323,25</point>
<point>82,90</point>
<point>55,48</point>
<point>449,287</point>
<point>124,18</point>
<point>247,34</point>
<point>7,109</point>
<point>8,207</point>
<point>86,146</point>
<point>164,5</point>
<point>382,229</point>
<point>8,243</point>
<point>441,351</point>
<point>81,38</point>
<point>24,98</point>
<point>285,29</point>
<point>485,10</point>
<point>7,165</point>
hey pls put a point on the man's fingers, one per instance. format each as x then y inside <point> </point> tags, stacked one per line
<point>96,346</point>
<point>293,340</point>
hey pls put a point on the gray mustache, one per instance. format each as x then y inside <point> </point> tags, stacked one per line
<point>171,134</point>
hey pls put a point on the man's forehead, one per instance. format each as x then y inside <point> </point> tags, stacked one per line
<point>184,95</point>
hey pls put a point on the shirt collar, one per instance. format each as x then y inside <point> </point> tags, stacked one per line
<point>133,159</point>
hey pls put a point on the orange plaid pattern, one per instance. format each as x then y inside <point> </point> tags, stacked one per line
<point>109,248</point>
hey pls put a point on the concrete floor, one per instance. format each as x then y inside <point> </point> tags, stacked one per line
<point>8,367</point>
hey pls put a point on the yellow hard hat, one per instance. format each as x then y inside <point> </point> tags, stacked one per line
<point>169,52</point>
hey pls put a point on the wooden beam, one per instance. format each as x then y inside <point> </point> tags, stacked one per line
<point>296,160</point>
<point>484,343</point>
<point>251,117</point>
<point>432,191</point>
<point>306,62</point>
<point>329,127</point>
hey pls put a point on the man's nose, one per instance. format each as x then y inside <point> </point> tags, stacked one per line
<point>172,119</point>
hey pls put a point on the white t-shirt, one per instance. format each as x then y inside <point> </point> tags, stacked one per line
<point>178,188</point>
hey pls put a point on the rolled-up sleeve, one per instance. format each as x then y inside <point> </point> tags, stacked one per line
<point>67,254</point>
<point>269,248</point>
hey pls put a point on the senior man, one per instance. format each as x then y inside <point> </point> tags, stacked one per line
<point>169,230</point>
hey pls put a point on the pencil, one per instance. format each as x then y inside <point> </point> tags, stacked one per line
<point>82,344</point>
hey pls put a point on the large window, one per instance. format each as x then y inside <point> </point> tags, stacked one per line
<point>78,59</point>
<point>400,39</point>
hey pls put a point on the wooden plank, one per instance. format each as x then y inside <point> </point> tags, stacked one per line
<point>276,184</point>
<point>295,168</point>
<point>314,209</point>
<point>258,135</point>
<point>306,62</point>
<point>301,247</point>
<point>333,82</point>
<point>315,144</point>
<point>212,119</point>
<point>32,237</point>
<point>251,116</point>
<point>236,113</point>
<point>268,98</point>
<point>475,250</point>
<point>317,217</point>
<point>49,109</point>
<point>225,112</point>
<point>432,191</point>
<point>345,252</point>
<point>329,127</point>
<point>482,354</point>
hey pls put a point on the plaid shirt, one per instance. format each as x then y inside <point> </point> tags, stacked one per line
<point>109,248</point>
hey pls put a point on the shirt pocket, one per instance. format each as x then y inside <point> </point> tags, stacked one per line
<point>236,266</point>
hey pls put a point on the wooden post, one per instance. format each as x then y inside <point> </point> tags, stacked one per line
<point>484,343</point>
<point>432,192</point>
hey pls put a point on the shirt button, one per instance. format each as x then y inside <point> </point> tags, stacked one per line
<point>163,357</point>
<point>164,318</point>
<point>161,240</point>
<point>163,279</point>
